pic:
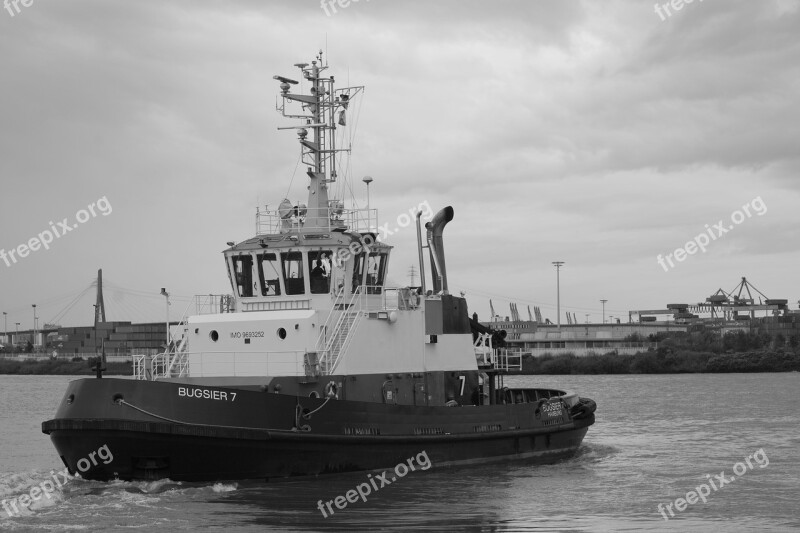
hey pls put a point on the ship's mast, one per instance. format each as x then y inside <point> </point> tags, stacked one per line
<point>318,153</point>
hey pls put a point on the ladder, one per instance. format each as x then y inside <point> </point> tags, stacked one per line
<point>334,346</point>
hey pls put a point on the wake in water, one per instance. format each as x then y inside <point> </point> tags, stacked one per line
<point>26,494</point>
<point>590,453</point>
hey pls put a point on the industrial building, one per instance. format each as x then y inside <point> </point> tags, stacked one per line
<point>536,339</point>
<point>115,338</point>
<point>745,308</point>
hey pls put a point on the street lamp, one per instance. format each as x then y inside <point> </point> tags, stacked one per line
<point>604,310</point>
<point>34,327</point>
<point>5,326</point>
<point>166,295</point>
<point>558,264</point>
<point>587,318</point>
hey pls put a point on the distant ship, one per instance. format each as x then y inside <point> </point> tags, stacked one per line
<point>320,368</point>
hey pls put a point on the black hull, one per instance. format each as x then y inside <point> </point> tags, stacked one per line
<point>175,444</point>
<point>154,451</point>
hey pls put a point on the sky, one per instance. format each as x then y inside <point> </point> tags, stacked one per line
<point>603,134</point>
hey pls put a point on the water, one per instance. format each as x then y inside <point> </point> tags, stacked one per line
<point>655,439</point>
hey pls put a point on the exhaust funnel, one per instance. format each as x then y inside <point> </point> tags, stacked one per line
<point>436,247</point>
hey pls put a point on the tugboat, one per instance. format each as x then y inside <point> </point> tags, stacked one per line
<point>315,366</point>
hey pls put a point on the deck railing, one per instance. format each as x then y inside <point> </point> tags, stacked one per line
<point>271,222</point>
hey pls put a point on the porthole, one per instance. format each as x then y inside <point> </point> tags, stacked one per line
<point>281,333</point>
<point>214,336</point>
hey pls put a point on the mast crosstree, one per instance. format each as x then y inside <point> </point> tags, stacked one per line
<point>319,111</point>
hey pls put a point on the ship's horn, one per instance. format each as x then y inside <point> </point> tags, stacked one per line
<point>436,246</point>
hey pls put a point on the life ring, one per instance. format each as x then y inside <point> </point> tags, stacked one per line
<point>331,390</point>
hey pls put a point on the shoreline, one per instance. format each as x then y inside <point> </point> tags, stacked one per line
<point>60,367</point>
<point>678,362</point>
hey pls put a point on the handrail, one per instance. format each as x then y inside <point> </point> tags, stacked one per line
<point>322,340</point>
<point>182,320</point>
<point>343,315</point>
<point>336,333</point>
<point>499,358</point>
<point>173,353</point>
<point>179,357</point>
<point>162,364</point>
<point>348,337</point>
<point>504,358</point>
<point>139,367</point>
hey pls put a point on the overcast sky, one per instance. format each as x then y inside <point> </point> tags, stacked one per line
<point>599,133</point>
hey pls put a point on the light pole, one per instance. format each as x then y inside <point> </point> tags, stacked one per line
<point>368,180</point>
<point>558,264</point>
<point>16,337</point>
<point>34,327</point>
<point>95,329</point>
<point>5,327</point>
<point>587,318</point>
<point>166,295</point>
<point>604,310</point>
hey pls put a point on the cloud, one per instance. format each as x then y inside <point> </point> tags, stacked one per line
<point>589,132</point>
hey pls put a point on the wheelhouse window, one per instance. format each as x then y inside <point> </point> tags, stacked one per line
<point>293,279</point>
<point>269,270</point>
<point>376,271</point>
<point>243,274</point>
<point>320,273</point>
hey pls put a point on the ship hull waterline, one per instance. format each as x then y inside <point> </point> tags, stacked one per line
<point>149,455</point>
<point>103,440</point>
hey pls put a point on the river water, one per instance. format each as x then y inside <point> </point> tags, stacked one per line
<point>656,438</point>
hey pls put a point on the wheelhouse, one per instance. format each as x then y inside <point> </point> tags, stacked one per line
<point>293,270</point>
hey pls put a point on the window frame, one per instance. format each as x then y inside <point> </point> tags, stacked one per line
<point>261,258</point>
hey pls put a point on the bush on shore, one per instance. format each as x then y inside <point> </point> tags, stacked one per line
<point>662,361</point>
